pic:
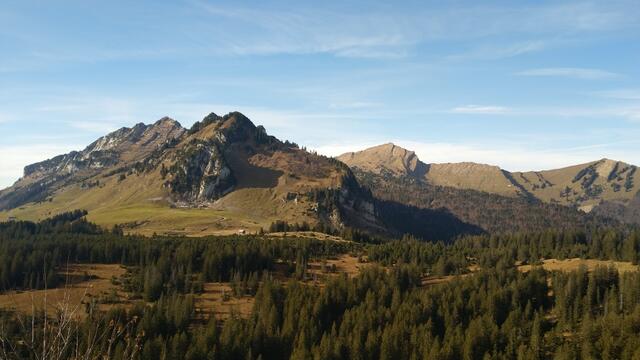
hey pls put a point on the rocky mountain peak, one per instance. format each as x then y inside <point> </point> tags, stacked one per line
<point>386,158</point>
<point>167,122</point>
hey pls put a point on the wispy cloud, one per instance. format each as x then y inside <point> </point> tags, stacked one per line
<point>570,72</point>
<point>96,127</point>
<point>480,109</point>
<point>622,94</point>
<point>304,31</point>
<point>382,32</point>
<point>495,52</point>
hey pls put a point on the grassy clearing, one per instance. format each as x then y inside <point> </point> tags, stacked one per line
<point>84,282</point>
<point>308,235</point>
<point>569,265</point>
<point>343,264</point>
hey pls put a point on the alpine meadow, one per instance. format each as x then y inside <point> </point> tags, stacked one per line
<point>200,180</point>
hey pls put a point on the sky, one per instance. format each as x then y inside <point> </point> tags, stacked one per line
<point>526,85</point>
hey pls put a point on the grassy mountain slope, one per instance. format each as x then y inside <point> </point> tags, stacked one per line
<point>390,159</point>
<point>523,198</point>
<point>584,186</point>
<point>221,176</point>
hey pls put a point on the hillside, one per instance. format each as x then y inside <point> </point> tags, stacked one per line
<point>222,176</point>
<point>491,212</point>
<point>605,186</point>
<point>390,159</point>
<point>584,186</point>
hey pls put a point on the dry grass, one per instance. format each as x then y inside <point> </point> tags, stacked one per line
<point>217,298</point>
<point>575,264</point>
<point>343,264</point>
<point>436,280</point>
<point>308,235</point>
<point>77,290</point>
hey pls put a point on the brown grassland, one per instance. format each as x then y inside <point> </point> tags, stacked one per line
<point>568,265</point>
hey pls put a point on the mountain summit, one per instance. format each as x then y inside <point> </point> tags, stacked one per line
<point>390,159</point>
<point>595,186</point>
<point>386,159</point>
<point>222,174</point>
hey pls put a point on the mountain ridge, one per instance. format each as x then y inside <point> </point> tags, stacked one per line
<point>222,175</point>
<point>583,186</point>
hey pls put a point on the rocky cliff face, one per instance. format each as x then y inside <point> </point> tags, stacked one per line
<point>199,172</point>
<point>121,148</point>
<point>222,163</point>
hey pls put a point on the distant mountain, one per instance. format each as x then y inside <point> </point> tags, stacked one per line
<point>607,187</point>
<point>386,159</point>
<point>390,159</point>
<point>223,175</point>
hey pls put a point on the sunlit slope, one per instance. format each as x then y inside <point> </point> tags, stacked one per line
<point>223,175</point>
<point>608,184</point>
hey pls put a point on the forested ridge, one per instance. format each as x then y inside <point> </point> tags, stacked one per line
<point>489,310</point>
<point>490,212</point>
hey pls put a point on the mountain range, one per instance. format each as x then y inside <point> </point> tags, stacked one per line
<point>225,174</point>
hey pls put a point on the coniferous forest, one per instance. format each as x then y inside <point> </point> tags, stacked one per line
<point>483,307</point>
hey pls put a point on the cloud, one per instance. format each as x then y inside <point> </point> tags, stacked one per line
<point>621,94</point>
<point>384,32</point>
<point>93,114</point>
<point>495,52</point>
<point>480,109</point>
<point>577,73</point>
<point>98,127</point>
<point>587,112</point>
<point>4,118</point>
<point>633,114</point>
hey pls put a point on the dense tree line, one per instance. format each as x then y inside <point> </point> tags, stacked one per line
<point>31,252</point>
<point>495,314</point>
<point>386,312</point>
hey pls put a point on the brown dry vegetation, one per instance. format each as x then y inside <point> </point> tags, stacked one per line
<point>575,264</point>
<point>344,264</point>
<point>308,235</point>
<point>84,282</point>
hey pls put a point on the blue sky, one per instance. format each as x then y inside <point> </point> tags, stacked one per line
<point>523,85</point>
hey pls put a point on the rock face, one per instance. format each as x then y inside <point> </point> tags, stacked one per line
<point>120,148</point>
<point>604,183</point>
<point>222,164</point>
